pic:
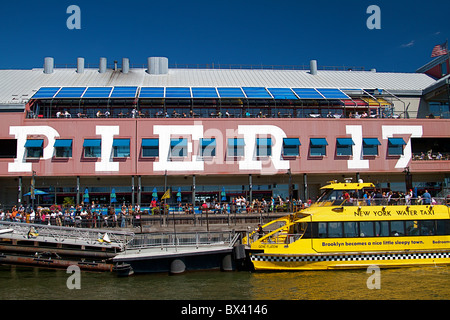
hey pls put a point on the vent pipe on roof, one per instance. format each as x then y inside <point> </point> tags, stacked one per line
<point>313,67</point>
<point>158,65</point>
<point>102,67</point>
<point>125,65</point>
<point>80,65</point>
<point>48,65</point>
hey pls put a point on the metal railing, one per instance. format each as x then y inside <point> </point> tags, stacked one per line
<point>67,235</point>
<point>166,240</point>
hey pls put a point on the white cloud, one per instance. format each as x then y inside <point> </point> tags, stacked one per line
<point>408,45</point>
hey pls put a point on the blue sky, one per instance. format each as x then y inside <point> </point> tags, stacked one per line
<point>267,32</point>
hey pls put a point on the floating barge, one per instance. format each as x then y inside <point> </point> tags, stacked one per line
<point>122,252</point>
<point>176,253</point>
<point>60,247</point>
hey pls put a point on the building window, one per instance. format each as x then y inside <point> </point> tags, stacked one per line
<point>263,147</point>
<point>208,147</point>
<point>63,148</point>
<point>92,148</point>
<point>370,146</point>
<point>344,146</point>
<point>291,147</point>
<point>178,148</point>
<point>150,148</point>
<point>318,147</point>
<point>121,148</point>
<point>444,70</point>
<point>8,148</point>
<point>34,148</point>
<point>235,147</point>
<point>395,146</point>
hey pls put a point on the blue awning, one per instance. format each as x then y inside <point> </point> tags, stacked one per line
<point>178,142</point>
<point>371,142</point>
<point>92,143</point>
<point>150,142</point>
<point>397,141</point>
<point>36,143</point>
<point>121,143</point>
<point>318,142</point>
<point>208,142</point>
<point>238,142</point>
<point>345,142</point>
<point>63,143</point>
<point>291,142</point>
<point>263,141</point>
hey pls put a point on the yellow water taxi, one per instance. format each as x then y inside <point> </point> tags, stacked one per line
<point>344,230</point>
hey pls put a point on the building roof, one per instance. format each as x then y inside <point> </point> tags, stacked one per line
<point>17,86</point>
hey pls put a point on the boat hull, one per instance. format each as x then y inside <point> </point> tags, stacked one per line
<point>296,262</point>
<point>178,262</point>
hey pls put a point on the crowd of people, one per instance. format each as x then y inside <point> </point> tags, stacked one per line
<point>90,216</point>
<point>378,197</point>
<point>97,216</point>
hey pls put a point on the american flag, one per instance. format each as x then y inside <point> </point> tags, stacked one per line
<point>440,50</point>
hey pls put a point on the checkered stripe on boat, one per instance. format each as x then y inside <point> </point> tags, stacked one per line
<point>351,257</point>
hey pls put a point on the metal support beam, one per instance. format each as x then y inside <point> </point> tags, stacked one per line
<point>193,190</point>
<point>19,200</point>
<point>305,187</point>
<point>132,191</point>
<point>250,188</point>
<point>139,195</point>
<point>78,189</point>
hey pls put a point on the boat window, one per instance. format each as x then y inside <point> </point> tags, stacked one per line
<point>322,232</point>
<point>442,227</point>
<point>382,228</point>
<point>397,228</point>
<point>427,228</point>
<point>335,230</point>
<point>366,229</point>
<point>335,196</point>
<point>308,229</point>
<point>412,228</point>
<point>351,229</point>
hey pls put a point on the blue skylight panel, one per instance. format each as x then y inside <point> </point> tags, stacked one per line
<point>230,93</point>
<point>333,93</point>
<point>178,93</point>
<point>97,92</point>
<point>46,92</point>
<point>204,93</point>
<point>151,92</point>
<point>307,93</point>
<point>282,93</point>
<point>70,92</point>
<point>256,93</point>
<point>124,92</point>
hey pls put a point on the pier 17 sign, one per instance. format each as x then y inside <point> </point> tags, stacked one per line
<point>215,146</point>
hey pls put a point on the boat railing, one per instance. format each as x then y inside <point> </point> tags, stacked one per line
<point>384,202</point>
<point>279,238</point>
<point>164,240</point>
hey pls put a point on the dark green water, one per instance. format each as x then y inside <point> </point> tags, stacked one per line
<point>408,283</point>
